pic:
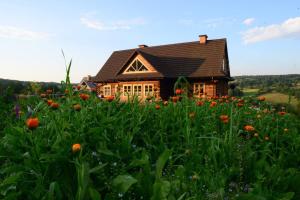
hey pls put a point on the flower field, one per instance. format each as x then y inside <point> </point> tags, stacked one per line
<point>81,147</point>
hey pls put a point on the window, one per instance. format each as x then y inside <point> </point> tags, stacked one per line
<point>126,90</point>
<point>137,90</point>
<point>107,90</point>
<point>198,88</point>
<point>136,66</point>
<point>148,89</point>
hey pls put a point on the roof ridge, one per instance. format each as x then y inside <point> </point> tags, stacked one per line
<point>178,43</point>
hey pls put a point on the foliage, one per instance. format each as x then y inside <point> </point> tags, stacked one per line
<point>135,151</point>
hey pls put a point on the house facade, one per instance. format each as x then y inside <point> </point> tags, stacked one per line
<point>152,71</point>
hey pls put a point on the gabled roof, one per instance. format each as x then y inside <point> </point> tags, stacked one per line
<point>190,59</point>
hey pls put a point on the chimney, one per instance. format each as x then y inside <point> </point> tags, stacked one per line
<point>202,39</point>
<point>142,46</point>
<point>89,78</point>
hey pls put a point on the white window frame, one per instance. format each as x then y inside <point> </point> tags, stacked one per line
<point>138,93</point>
<point>199,85</point>
<point>136,72</point>
<point>107,90</point>
<point>127,93</point>
<point>148,93</point>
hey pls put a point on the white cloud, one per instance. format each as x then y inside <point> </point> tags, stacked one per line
<point>248,21</point>
<point>288,28</point>
<point>116,25</point>
<point>12,32</point>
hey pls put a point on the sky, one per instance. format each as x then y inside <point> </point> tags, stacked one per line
<point>263,37</point>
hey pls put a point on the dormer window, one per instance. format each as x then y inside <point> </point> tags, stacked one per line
<point>136,67</point>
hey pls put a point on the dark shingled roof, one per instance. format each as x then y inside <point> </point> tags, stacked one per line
<point>190,59</point>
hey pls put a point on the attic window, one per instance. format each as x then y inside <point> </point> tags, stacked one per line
<point>136,66</point>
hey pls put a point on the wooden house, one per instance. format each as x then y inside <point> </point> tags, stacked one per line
<point>152,70</point>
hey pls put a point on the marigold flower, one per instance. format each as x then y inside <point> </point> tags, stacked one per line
<point>199,103</point>
<point>267,138</point>
<point>84,96</point>
<point>224,119</point>
<point>213,104</point>
<point>249,128</point>
<point>281,113</point>
<point>179,91</point>
<point>32,123</point>
<point>110,98</point>
<point>78,87</point>
<point>175,99</point>
<point>157,107</point>
<point>261,98</point>
<point>240,104</point>
<point>77,107</point>
<point>76,148</point>
<point>49,102</point>
<point>54,105</point>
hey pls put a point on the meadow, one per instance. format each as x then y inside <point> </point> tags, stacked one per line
<point>81,147</point>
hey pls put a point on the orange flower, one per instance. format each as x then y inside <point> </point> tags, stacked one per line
<point>76,148</point>
<point>84,96</point>
<point>110,98</point>
<point>213,104</point>
<point>179,91</point>
<point>240,104</point>
<point>49,102</point>
<point>249,128</point>
<point>175,99</point>
<point>157,107</point>
<point>281,113</point>
<point>78,87</point>
<point>54,105</point>
<point>32,123</point>
<point>77,107</point>
<point>199,103</point>
<point>224,119</point>
<point>261,98</point>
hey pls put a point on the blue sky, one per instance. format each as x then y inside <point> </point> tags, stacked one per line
<point>263,36</point>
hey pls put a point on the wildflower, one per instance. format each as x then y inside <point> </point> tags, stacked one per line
<point>84,96</point>
<point>43,95</point>
<point>77,107</point>
<point>195,177</point>
<point>192,114</point>
<point>249,128</point>
<point>258,116</point>
<point>256,135</point>
<point>110,98</point>
<point>32,123</point>
<point>54,105</point>
<point>267,138</point>
<point>76,148</point>
<point>49,91</point>
<point>224,119</point>
<point>78,87</point>
<point>240,104</point>
<point>281,113</point>
<point>166,103</point>
<point>261,98</point>
<point>285,130</point>
<point>199,103</point>
<point>49,102</point>
<point>213,104</point>
<point>175,99</point>
<point>179,91</point>
<point>157,107</point>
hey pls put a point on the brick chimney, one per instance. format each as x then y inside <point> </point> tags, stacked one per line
<point>202,39</point>
<point>142,46</point>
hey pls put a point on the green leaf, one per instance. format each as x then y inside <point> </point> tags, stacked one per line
<point>160,163</point>
<point>123,182</point>
<point>95,169</point>
<point>161,189</point>
<point>94,194</point>
<point>288,196</point>
<point>140,162</point>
